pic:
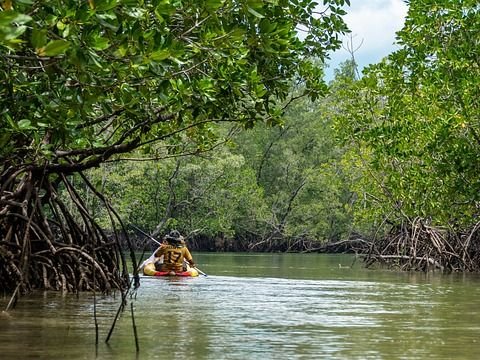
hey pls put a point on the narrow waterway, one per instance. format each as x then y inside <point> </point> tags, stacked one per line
<point>259,306</point>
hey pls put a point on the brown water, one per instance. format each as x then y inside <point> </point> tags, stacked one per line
<point>260,306</point>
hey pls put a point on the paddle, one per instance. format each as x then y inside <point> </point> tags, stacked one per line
<point>144,233</point>
<point>200,271</point>
<point>152,238</point>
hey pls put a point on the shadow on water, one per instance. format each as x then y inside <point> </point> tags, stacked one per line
<point>260,306</point>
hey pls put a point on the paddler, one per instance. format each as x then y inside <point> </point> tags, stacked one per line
<point>174,251</point>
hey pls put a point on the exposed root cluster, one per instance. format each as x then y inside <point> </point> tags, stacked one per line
<point>416,245</point>
<point>49,243</point>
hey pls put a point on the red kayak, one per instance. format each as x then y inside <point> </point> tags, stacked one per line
<point>149,270</point>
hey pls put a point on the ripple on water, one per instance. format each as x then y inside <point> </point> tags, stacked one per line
<point>227,317</point>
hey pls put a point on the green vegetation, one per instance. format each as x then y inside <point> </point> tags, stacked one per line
<point>413,128</point>
<point>212,117</point>
<point>84,82</point>
<point>266,190</point>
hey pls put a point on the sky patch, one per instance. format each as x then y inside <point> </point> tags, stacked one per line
<point>373,24</point>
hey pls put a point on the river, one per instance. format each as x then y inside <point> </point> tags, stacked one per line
<point>259,306</point>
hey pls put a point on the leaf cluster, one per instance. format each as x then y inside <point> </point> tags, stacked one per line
<point>414,117</point>
<point>83,81</point>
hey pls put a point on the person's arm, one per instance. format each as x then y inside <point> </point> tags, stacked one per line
<point>187,256</point>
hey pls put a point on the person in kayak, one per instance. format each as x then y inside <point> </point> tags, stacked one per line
<point>174,251</point>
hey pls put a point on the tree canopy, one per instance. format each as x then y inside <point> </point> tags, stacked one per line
<point>83,81</point>
<point>412,124</point>
<point>416,114</point>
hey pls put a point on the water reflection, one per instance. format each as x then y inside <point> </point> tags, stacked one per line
<point>265,306</point>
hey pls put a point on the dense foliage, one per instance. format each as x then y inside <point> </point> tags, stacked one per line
<point>85,81</point>
<point>413,126</point>
<point>415,116</point>
<point>89,85</point>
<point>266,189</point>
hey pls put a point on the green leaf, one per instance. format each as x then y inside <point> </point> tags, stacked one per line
<point>255,13</point>
<point>7,18</point>
<point>160,55</point>
<point>214,4</point>
<point>164,9</point>
<point>4,138</point>
<point>54,47</point>
<point>39,38</point>
<point>12,27</point>
<point>100,43</point>
<point>266,26</point>
<point>13,124</point>
<point>103,5</point>
<point>25,124</point>
<point>13,33</point>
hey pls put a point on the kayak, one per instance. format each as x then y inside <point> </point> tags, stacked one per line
<point>149,270</point>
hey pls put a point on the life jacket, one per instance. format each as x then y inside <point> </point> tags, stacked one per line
<point>173,256</point>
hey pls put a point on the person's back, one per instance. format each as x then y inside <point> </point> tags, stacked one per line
<point>174,252</point>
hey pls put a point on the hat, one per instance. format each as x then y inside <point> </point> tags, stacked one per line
<point>174,237</point>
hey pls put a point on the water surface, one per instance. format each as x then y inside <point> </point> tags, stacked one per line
<point>259,306</point>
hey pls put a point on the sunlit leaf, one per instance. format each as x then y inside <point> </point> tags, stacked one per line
<point>53,48</point>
